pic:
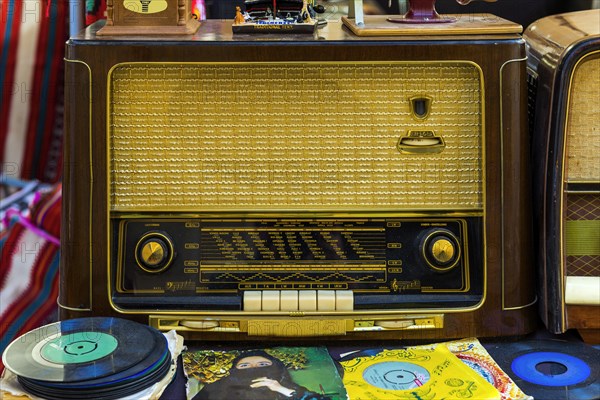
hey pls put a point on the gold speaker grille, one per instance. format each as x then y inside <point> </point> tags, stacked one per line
<point>292,136</point>
<point>583,124</point>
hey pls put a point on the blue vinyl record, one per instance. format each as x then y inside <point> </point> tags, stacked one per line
<point>550,369</point>
<point>572,372</point>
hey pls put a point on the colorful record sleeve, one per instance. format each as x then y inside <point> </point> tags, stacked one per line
<point>292,373</point>
<point>473,354</point>
<point>414,373</point>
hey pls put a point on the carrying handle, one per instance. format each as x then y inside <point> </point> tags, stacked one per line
<point>420,142</point>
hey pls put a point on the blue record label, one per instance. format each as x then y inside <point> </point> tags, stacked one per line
<point>396,375</point>
<point>525,367</point>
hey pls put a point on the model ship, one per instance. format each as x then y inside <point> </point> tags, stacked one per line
<point>289,16</point>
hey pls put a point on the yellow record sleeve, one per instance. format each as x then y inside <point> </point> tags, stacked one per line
<point>472,353</point>
<point>422,374</point>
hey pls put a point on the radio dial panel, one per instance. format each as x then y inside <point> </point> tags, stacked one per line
<point>191,260</point>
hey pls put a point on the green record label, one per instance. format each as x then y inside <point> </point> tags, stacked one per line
<point>79,347</point>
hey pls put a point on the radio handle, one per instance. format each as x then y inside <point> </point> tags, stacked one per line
<point>419,142</point>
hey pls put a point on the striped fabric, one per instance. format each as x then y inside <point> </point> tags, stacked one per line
<point>29,270</point>
<point>32,41</point>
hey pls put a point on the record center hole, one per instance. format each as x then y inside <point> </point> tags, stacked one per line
<point>550,368</point>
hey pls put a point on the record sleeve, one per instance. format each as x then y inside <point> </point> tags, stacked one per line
<point>268,373</point>
<point>471,352</point>
<point>414,373</point>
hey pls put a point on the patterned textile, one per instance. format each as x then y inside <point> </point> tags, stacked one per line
<point>32,42</point>
<point>29,251</point>
<point>16,196</point>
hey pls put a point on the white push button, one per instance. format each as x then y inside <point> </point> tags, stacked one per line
<point>270,300</point>
<point>289,300</point>
<point>252,300</point>
<point>344,300</point>
<point>326,300</point>
<point>307,300</point>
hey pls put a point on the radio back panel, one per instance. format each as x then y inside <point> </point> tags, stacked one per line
<point>327,185</point>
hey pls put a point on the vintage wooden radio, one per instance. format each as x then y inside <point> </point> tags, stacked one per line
<point>564,72</point>
<point>247,186</point>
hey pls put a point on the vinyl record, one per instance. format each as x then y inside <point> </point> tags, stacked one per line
<point>548,369</point>
<point>396,375</point>
<point>80,349</point>
<point>158,356</point>
<point>109,391</point>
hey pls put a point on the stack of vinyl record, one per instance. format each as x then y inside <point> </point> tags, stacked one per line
<point>96,358</point>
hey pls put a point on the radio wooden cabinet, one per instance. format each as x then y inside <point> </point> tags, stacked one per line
<point>235,187</point>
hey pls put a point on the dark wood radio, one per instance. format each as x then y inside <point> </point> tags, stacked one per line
<point>234,186</point>
<point>564,71</point>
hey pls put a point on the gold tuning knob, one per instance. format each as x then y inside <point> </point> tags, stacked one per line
<point>154,252</point>
<point>442,250</point>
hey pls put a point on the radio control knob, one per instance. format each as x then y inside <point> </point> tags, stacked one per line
<point>441,250</point>
<point>154,252</point>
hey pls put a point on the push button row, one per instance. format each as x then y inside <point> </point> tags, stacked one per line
<point>299,300</point>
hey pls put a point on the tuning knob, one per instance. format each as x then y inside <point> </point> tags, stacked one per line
<point>441,250</point>
<point>154,252</point>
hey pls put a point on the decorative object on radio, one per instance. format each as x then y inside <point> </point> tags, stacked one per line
<point>150,17</point>
<point>564,66</point>
<point>422,18</point>
<point>550,369</point>
<point>273,373</point>
<point>98,357</point>
<point>273,16</point>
